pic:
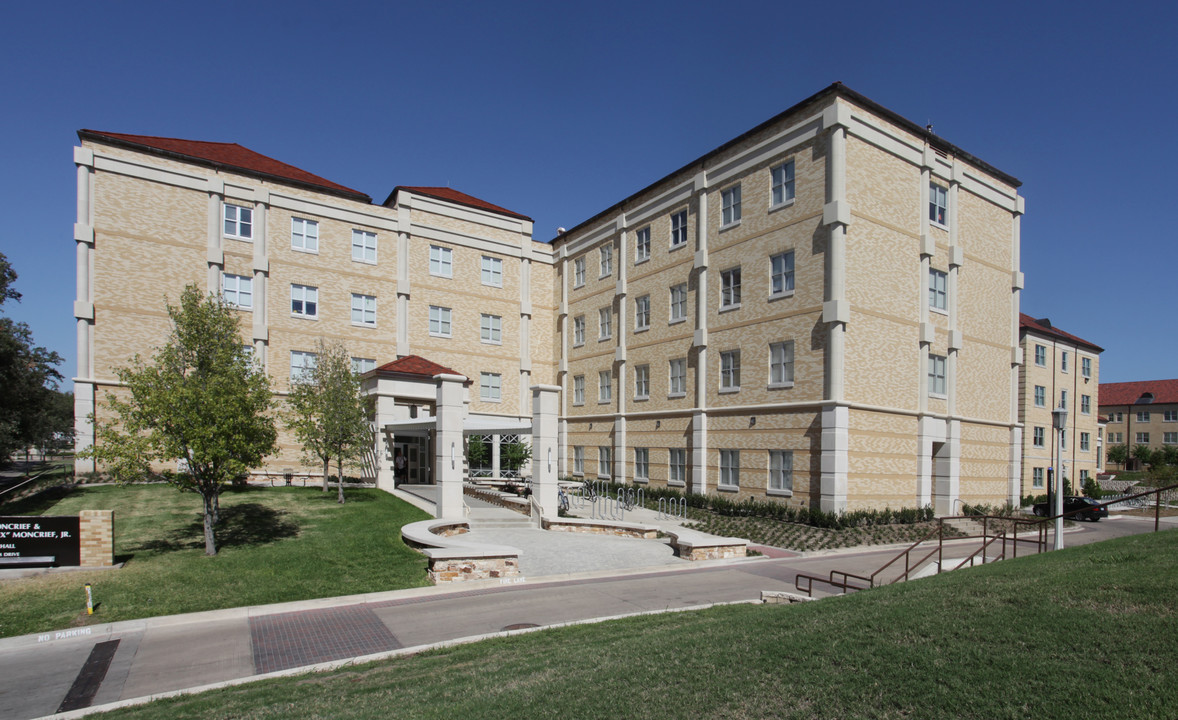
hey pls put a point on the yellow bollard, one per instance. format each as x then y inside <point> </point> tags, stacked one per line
<point>89,601</point>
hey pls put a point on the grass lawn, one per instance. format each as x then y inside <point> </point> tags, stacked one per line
<point>1088,632</point>
<point>275,545</point>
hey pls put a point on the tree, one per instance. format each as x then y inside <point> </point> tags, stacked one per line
<point>1143,454</point>
<point>328,413</point>
<point>201,400</point>
<point>1168,456</point>
<point>513,455</point>
<point>1118,454</point>
<point>28,376</point>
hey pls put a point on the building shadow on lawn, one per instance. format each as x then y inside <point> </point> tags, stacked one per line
<point>244,524</point>
<point>40,503</point>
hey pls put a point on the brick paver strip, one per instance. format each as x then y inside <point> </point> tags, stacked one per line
<point>289,640</point>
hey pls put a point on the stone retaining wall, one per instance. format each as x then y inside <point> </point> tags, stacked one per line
<point>463,569</point>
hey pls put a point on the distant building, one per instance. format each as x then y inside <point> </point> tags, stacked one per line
<point>1140,413</point>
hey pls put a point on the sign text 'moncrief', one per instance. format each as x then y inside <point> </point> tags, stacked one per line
<point>39,541</point>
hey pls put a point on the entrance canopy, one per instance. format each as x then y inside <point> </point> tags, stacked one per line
<point>471,425</point>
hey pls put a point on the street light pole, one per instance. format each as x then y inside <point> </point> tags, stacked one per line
<point>1059,421</point>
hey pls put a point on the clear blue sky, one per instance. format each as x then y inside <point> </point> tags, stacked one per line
<point>558,110</point>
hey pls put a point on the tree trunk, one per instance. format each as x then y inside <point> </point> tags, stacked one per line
<point>210,537</point>
<point>326,469</point>
<point>340,466</point>
<point>216,505</point>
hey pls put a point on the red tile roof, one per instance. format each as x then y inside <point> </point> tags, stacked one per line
<point>461,198</point>
<point>1043,327</point>
<point>230,156</point>
<point>1128,393</point>
<point>415,365</point>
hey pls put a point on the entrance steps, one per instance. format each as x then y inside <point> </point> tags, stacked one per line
<point>498,519</point>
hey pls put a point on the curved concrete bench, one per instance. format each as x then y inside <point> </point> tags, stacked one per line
<point>695,545</point>
<point>600,527</point>
<point>455,560</point>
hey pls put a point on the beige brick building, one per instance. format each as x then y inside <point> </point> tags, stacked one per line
<point>1143,412</point>
<point>1060,370</point>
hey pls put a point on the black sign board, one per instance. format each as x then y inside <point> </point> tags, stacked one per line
<point>37,541</point>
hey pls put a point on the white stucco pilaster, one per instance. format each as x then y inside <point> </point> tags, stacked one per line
<point>448,443</point>
<point>698,482</point>
<point>84,391</point>
<point>545,404</point>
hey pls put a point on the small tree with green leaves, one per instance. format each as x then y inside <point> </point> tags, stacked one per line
<point>201,400</point>
<point>1168,455</point>
<point>328,413</point>
<point>1118,454</point>
<point>1143,454</point>
<point>513,455</point>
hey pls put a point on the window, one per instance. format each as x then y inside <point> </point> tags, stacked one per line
<point>1142,416</point>
<point>1170,438</point>
<point>642,245</point>
<point>606,321</point>
<point>1085,440</point>
<point>304,301</point>
<point>678,312</point>
<point>364,246</point>
<point>579,272</point>
<point>491,329</point>
<point>1083,476</point>
<point>363,365</point>
<point>781,471</point>
<point>1063,361</point>
<point>730,289</point>
<point>441,261</point>
<point>781,274</point>
<point>678,377</point>
<point>492,271</point>
<point>579,460</point>
<point>579,390</point>
<point>641,382</point>
<point>679,229</point>
<point>304,235</point>
<point>1041,356</point>
<point>1086,367</point>
<point>936,375</point>
<point>781,363</point>
<point>729,469</point>
<point>641,313</point>
<point>1063,439</point>
<point>239,222</point>
<point>490,388</point>
<point>730,206</point>
<point>302,364</point>
<point>603,459</point>
<point>1063,399</point>
<point>579,331</point>
<point>1037,437</point>
<point>677,467</point>
<point>238,291</point>
<point>783,183</point>
<point>642,464</point>
<point>938,204</point>
<point>363,310</point>
<point>1040,396</point>
<point>607,260</point>
<point>1120,417</point>
<point>1170,416</point>
<point>1120,437</point>
<point>1142,438</point>
<point>1086,404</point>
<point>605,386</point>
<point>439,321</point>
<point>1037,477</point>
<point>730,370</point>
<point>938,282</point>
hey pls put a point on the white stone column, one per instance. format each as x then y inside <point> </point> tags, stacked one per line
<point>699,422</point>
<point>384,413</point>
<point>545,460</point>
<point>448,444</point>
<point>215,251</point>
<point>84,392</point>
<point>834,462</point>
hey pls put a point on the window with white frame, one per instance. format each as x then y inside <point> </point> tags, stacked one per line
<point>679,229</point>
<point>1142,438</point>
<point>490,387</point>
<point>1085,441</point>
<point>642,464</point>
<point>1170,416</point>
<point>441,261</point>
<point>605,320</point>
<point>781,363</point>
<point>783,183</point>
<point>781,274</point>
<point>604,456</point>
<point>1086,404</point>
<point>239,222</point>
<point>579,460</point>
<point>730,206</point>
<point>491,329</point>
<point>304,235</point>
<point>302,365</point>
<point>729,469</point>
<point>938,204</point>
<point>363,310</point>
<point>730,288</point>
<point>1086,367</point>
<point>605,386</point>
<point>677,467</point>
<point>1063,399</point>
<point>364,246</point>
<point>1041,356</point>
<point>579,390</point>
<point>641,313</point>
<point>678,309</point>
<point>579,272</point>
<point>642,245</point>
<point>1063,361</point>
<point>363,365</point>
<point>1120,417</point>
<point>238,291</point>
<point>439,321</point>
<point>492,271</point>
<point>938,284</point>
<point>1037,439</point>
<point>304,301</point>
<point>579,331</point>
<point>730,370</point>
<point>936,374</point>
<point>1170,438</point>
<point>641,382</point>
<point>1120,437</point>
<point>781,471</point>
<point>1040,396</point>
<point>677,381</point>
<point>607,260</point>
<point>1037,477</point>
<point>1142,416</point>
